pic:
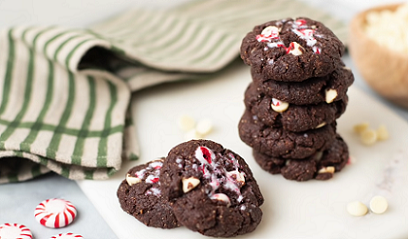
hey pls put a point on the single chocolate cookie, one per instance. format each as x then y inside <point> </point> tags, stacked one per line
<point>295,118</point>
<point>140,196</point>
<point>329,88</point>
<point>319,166</point>
<point>292,50</point>
<point>211,189</point>
<point>277,142</point>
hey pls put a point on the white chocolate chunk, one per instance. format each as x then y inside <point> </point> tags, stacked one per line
<point>331,94</point>
<point>237,176</point>
<point>329,169</point>
<point>271,30</point>
<point>318,156</point>
<point>221,197</point>
<point>321,125</point>
<point>296,50</point>
<point>132,180</point>
<point>360,128</point>
<point>189,183</point>
<point>378,204</point>
<point>368,137</point>
<point>279,106</point>
<point>382,133</point>
<point>186,122</point>
<point>204,127</point>
<point>357,209</point>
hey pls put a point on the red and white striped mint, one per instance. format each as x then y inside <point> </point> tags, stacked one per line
<point>14,231</point>
<point>55,213</point>
<point>68,235</point>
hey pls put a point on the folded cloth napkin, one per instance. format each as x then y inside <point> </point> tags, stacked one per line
<point>65,93</point>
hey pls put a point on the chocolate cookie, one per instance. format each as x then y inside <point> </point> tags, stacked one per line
<point>277,142</point>
<point>292,50</point>
<point>319,166</point>
<point>211,189</point>
<point>140,196</point>
<point>294,118</point>
<point>312,91</point>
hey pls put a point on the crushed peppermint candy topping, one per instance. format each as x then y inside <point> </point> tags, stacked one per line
<point>270,35</point>
<point>153,167</point>
<point>218,176</point>
<point>153,176</point>
<point>276,102</point>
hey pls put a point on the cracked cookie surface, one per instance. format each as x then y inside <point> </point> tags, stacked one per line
<point>314,167</point>
<point>277,142</point>
<point>140,196</point>
<point>292,49</point>
<point>311,91</point>
<point>295,118</point>
<point>211,189</point>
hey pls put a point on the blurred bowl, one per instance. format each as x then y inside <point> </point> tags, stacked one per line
<point>384,69</point>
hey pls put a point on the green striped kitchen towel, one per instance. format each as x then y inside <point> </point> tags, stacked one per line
<point>65,93</point>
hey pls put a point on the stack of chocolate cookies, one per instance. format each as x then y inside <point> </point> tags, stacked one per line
<point>298,90</point>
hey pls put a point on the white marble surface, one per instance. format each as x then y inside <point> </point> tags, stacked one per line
<point>17,201</point>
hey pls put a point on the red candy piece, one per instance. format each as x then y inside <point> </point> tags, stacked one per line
<point>301,22</point>
<point>68,235</point>
<point>55,213</point>
<point>14,231</point>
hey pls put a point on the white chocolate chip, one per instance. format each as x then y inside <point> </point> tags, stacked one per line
<point>296,50</point>
<point>368,137</point>
<point>189,183</point>
<point>192,134</point>
<point>360,128</point>
<point>357,209</point>
<point>132,180</point>
<point>279,106</point>
<point>237,176</point>
<point>271,30</point>
<point>221,197</point>
<point>382,133</point>
<point>186,122</point>
<point>204,127</point>
<point>331,94</point>
<point>329,169</point>
<point>378,204</point>
<point>346,68</point>
<point>321,125</point>
<point>318,156</point>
